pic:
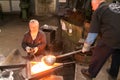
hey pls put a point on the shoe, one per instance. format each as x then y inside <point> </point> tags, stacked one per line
<point>86,74</point>
<point>110,77</point>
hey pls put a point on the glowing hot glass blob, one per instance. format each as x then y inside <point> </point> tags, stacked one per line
<point>40,67</point>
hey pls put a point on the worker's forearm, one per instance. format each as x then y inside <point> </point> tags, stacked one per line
<point>91,38</point>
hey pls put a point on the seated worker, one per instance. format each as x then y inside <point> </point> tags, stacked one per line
<point>34,41</point>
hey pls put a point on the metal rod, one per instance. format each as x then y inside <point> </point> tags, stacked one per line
<point>13,66</point>
<point>66,63</point>
<point>70,53</point>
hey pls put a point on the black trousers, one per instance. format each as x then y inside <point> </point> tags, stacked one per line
<point>114,69</point>
<point>100,55</point>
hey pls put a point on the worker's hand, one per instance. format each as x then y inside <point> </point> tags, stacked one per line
<point>81,40</point>
<point>86,47</point>
<point>35,49</point>
<point>28,49</point>
<point>74,10</point>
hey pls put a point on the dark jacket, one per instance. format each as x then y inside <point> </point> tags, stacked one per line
<point>106,21</point>
<point>39,42</point>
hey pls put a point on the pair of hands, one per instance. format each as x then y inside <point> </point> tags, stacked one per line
<point>31,50</point>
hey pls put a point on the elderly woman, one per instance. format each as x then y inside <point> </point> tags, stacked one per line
<point>34,41</point>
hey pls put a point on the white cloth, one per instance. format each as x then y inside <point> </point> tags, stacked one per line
<point>28,49</point>
<point>86,47</point>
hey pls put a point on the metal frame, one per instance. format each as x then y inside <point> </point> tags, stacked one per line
<point>12,66</point>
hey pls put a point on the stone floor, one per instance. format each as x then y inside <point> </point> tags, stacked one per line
<point>12,29</point>
<point>102,75</point>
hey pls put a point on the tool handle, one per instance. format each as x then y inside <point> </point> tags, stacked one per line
<point>66,63</point>
<point>70,53</point>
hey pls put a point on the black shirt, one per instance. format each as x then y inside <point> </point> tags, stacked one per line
<point>106,22</point>
<point>39,42</point>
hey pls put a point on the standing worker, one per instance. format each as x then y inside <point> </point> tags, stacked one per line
<point>105,23</point>
<point>34,41</point>
<point>24,6</point>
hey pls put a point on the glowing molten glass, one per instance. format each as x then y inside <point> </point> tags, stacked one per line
<point>38,67</point>
<point>49,59</point>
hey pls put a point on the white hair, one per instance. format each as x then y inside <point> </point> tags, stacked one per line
<point>34,21</point>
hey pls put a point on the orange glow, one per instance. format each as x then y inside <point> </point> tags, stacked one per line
<point>40,67</point>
